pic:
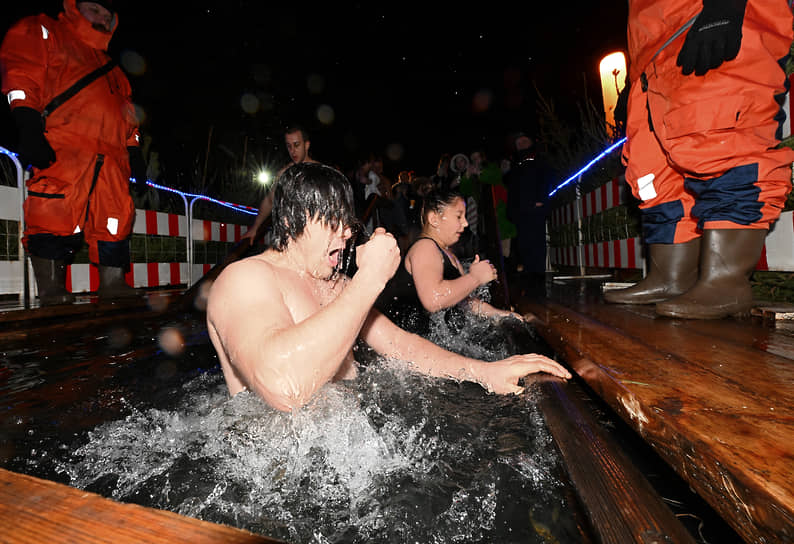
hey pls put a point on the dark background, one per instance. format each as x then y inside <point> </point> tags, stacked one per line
<point>407,81</point>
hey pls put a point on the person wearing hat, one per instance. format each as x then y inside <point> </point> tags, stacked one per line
<point>78,131</point>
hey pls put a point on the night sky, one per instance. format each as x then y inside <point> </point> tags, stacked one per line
<point>405,80</point>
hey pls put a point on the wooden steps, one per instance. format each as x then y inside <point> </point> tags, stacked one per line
<point>715,399</point>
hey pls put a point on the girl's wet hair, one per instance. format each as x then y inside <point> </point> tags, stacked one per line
<point>310,191</point>
<point>438,199</point>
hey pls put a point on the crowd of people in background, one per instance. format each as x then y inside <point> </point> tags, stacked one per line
<point>505,201</point>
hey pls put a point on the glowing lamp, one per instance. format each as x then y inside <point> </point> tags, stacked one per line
<point>263,177</point>
<point>613,78</point>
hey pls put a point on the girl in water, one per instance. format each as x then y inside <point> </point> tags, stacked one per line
<point>431,278</point>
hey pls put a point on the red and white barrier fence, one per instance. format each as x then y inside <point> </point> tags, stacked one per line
<point>85,277</point>
<point>624,253</point>
<point>778,253</point>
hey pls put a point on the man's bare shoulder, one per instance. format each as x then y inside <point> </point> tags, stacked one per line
<point>245,282</point>
<point>258,264</point>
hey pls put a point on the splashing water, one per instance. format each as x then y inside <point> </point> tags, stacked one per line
<point>389,457</point>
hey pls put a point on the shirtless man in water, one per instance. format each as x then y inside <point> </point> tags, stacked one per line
<point>284,322</point>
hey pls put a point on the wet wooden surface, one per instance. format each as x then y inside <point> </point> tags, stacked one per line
<point>34,510</point>
<point>619,502</point>
<point>715,399</point>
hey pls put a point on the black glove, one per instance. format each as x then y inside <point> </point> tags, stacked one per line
<point>33,146</point>
<point>137,169</point>
<point>715,36</point>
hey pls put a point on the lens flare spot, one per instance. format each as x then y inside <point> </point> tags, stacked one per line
<point>482,100</point>
<point>140,114</point>
<point>132,62</point>
<point>171,341</point>
<point>249,103</point>
<point>325,114</point>
<point>395,151</point>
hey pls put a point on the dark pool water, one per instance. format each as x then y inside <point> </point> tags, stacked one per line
<point>388,457</point>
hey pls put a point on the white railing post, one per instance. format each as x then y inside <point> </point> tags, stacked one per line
<point>22,176</point>
<point>190,241</point>
<point>579,238</point>
<point>190,230</point>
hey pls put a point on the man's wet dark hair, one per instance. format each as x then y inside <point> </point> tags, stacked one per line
<point>438,199</point>
<point>310,190</point>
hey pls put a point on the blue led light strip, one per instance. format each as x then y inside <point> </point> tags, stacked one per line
<point>237,207</point>
<point>603,154</point>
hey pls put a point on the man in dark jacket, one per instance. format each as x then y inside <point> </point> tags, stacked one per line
<point>527,199</point>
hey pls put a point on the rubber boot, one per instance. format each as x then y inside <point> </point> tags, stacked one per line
<point>727,258</point>
<point>672,269</point>
<point>112,285</point>
<point>51,281</point>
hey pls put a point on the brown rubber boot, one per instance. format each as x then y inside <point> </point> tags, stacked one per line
<point>112,284</point>
<point>51,281</point>
<point>672,269</point>
<point>727,258</point>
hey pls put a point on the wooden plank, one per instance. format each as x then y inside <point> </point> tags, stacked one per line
<point>719,413</point>
<point>758,333</point>
<point>620,503</point>
<point>34,510</point>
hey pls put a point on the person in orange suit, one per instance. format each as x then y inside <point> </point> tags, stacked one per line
<point>82,152</point>
<point>703,127</point>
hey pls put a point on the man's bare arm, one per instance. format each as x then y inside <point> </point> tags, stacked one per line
<point>498,377</point>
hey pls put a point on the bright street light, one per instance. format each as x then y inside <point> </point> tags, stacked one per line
<point>263,177</point>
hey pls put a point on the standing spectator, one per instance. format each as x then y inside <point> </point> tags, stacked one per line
<point>395,216</point>
<point>527,206</point>
<point>463,178</point>
<point>384,183</point>
<point>702,154</point>
<point>298,143</point>
<point>364,189</point>
<point>442,176</point>
<point>458,167</point>
<point>82,147</point>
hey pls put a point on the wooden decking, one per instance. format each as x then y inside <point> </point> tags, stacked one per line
<point>36,511</point>
<point>715,399</point>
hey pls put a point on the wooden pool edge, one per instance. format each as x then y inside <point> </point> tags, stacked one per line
<point>37,510</point>
<point>758,512</point>
<point>620,503</point>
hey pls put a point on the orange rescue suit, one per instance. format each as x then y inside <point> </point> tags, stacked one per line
<point>86,190</point>
<point>701,150</point>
